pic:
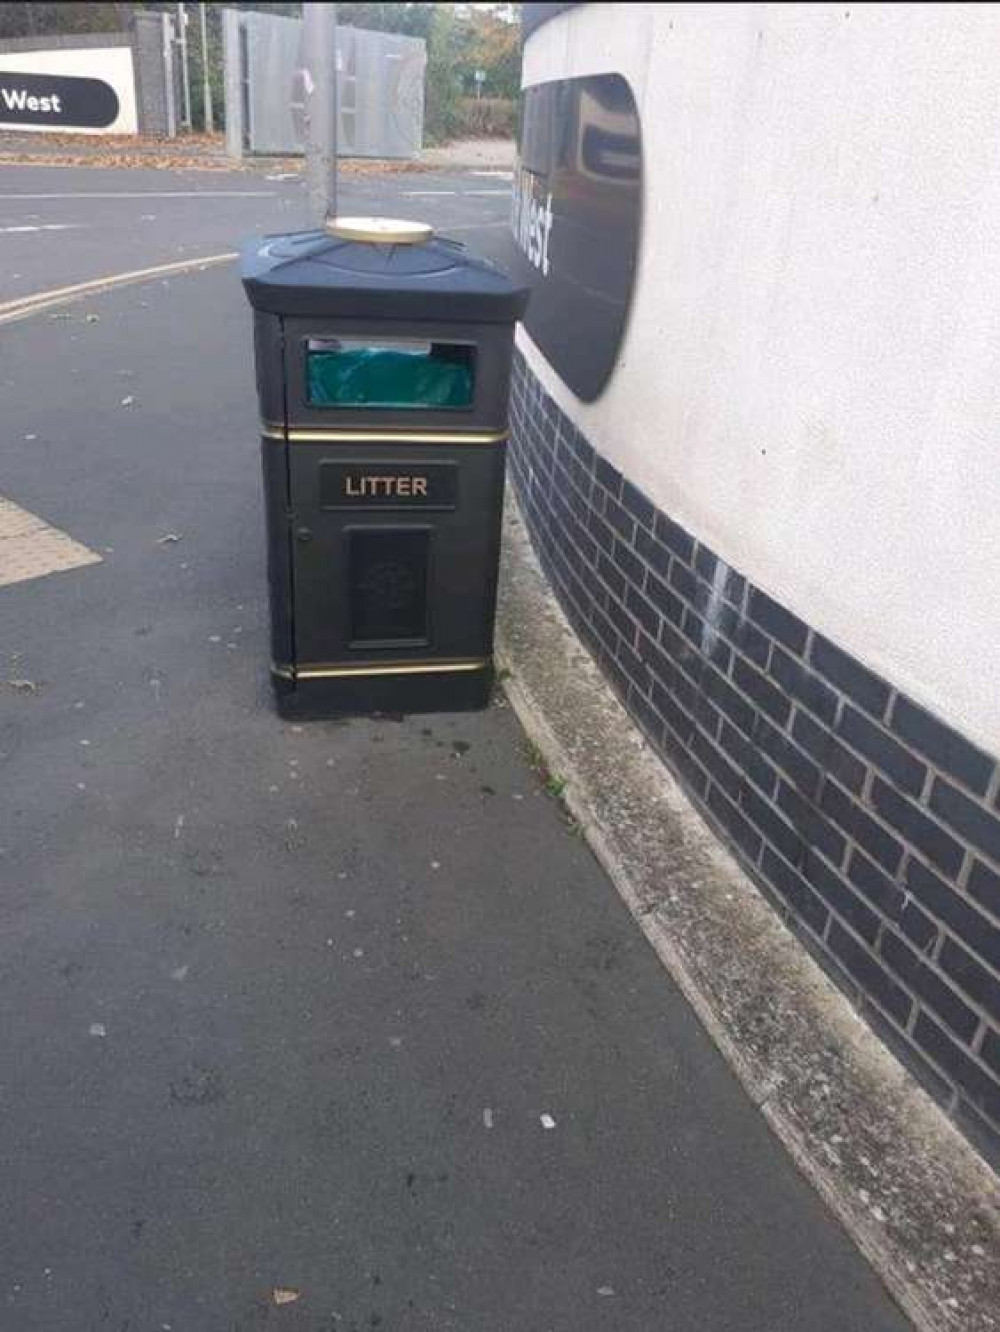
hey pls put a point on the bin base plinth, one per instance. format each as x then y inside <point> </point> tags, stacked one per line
<point>364,695</point>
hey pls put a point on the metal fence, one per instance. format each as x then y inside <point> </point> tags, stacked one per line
<point>380,88</point>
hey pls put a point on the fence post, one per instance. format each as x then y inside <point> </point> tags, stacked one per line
<point>206,86</point>
<point>231,56</point>
<point>168,75</point>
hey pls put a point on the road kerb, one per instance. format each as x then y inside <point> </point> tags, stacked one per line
<point>914,1196</point>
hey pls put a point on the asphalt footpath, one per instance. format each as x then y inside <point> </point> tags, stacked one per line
<point>327,1026</point>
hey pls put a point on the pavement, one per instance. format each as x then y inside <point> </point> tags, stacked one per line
<point>207,152</point>
<point>497,153</point>
<point>319,1026</point>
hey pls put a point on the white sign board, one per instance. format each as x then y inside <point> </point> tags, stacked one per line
<point>90,90</point>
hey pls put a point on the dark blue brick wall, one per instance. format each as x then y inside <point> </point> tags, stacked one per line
<point>870,824</point>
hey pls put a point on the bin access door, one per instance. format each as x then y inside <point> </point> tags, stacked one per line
<point>394,552</point>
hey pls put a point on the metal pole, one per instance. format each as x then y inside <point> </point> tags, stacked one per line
<point>231,64</point>
<point>206,86</point>
<point>319,78</point>
<point>168,74</point>
<point>185,73</point>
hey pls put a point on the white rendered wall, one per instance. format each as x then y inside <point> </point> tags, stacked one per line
<point>810,380</point>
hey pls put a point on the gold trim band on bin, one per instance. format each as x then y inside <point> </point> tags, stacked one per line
<point>272,431</point>
<point>386,668</point>
<point>394,668</point>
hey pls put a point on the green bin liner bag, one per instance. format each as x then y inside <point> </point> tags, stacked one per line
<point>378,377</point>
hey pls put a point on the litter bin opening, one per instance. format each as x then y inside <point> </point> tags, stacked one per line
<point>429,376</point>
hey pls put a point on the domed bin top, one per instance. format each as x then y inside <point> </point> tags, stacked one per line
<point>321,274</point>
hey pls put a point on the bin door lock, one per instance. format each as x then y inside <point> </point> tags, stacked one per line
<point>303,534</point>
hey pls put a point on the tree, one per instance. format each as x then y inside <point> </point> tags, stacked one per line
<point>495,48</point>
<point>43,20</point>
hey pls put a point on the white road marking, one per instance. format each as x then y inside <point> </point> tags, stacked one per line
<point>24,306</point>
<point>495,175</point>
<point>476,226</point>
<point>452,194</point>
<point>42,226</point>
<point>151,194</point>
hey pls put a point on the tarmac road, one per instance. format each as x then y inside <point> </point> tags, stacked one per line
<point>61,225</point>
<point>341,1010</point>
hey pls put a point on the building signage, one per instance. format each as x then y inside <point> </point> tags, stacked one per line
<point>84,90</point>
<point>577,207</point>
<point>392,485</point>
<point>56,102</point>
<point>532,221</point>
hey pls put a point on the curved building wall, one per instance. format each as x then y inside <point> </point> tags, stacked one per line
<point>777,525</point>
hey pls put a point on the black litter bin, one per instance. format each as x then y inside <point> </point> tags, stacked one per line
<point>383,370</point>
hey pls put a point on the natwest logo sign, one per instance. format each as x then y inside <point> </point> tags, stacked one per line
<point>56,101</point>
<point>576,213</point>
<point>531,220</point>
<point>19,99</point>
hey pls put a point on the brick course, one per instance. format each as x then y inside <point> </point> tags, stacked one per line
<point>870,824</point>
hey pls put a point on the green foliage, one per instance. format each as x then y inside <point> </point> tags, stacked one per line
<point>443,82</point>
<point>414,20</point>
<point>495,48</point>
<point>43,20</point>
<point>486,117</point>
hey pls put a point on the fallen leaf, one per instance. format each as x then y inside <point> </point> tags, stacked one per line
<point>23,686</point>
<point>284,1295</point>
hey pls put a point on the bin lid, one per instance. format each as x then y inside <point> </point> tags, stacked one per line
<point>377,268</point>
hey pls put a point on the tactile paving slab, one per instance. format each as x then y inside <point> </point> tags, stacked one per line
<point>32,548</point>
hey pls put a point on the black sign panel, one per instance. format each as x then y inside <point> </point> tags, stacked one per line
<point>388,485</point>
<point>577,211</point>
<point>56,100</point>
<point>388,580</point>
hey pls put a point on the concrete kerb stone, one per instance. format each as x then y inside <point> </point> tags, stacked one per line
<point>915,1197</point>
